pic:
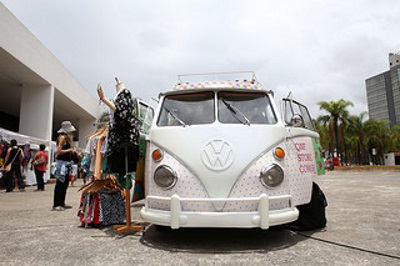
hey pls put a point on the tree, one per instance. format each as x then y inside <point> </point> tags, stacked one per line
<point>376,132</point>
<point>355,138</point>
<point>393,144</point>
<point>323,132</point>
<point>336,120</point>
<point>103,119</point>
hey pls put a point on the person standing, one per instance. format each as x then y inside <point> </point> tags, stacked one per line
<point>73,175</point>
<point>64,154</point>
<point>40,169</point>
<point>14,157</point>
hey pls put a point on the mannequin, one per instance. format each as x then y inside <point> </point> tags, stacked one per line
<point>123,144</point>
<point>123,133</point>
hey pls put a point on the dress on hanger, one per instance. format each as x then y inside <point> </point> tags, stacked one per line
<point>123,135</point>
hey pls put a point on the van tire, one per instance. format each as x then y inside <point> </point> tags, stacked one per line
<point>311,215</point>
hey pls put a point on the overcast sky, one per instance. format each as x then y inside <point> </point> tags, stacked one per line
<point>318,50</point>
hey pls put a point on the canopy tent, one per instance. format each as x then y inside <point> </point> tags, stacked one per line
<point>30,178</point>
<point>7,135</point>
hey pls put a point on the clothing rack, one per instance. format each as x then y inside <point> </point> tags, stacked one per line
<point>128,226</point>
<point>102,203</point>
<point>97,179</point>
<point>101,191</point>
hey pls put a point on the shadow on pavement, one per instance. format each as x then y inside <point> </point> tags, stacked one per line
<point>207,240</point>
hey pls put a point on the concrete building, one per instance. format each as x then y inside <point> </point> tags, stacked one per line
<point>394,59</point>
<point>37,92</point>
<point>383,93</point>
<point>392,158</point>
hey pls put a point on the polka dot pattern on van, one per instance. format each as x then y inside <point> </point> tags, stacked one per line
<point>298,165</point>
<point>219,84</point>
<point>187,186</point>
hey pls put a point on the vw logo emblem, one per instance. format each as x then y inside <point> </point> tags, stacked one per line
<point>217,155</point>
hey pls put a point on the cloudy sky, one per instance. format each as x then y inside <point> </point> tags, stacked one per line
<point>318,50</point>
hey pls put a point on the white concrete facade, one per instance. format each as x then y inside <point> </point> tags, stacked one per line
<point>36,89</point>
<point>394,59</point>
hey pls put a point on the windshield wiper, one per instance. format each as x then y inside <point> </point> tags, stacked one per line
<point>175,116</point>
<point>235,113</point>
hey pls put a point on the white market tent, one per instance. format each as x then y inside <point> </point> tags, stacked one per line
<point>9,135</point>
<point>30,179</point>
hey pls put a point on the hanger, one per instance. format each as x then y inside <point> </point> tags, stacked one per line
<point>96,185</point>
<point>96,132</point>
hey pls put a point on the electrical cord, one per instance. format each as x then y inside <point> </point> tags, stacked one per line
<point>348,246</point>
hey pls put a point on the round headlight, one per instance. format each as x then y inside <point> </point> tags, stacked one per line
<point>272,176</point>
<point>165,177</point>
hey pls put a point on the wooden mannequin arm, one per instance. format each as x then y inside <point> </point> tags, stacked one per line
<point>103,99</point>
<point>108,103</point>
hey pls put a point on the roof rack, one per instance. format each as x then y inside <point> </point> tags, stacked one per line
<point>253,73</point>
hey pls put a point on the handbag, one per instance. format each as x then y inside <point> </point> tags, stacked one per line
<point>38,161</point>
<point>8,166</point>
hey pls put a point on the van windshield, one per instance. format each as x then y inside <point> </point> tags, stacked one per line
<point>233,108</point>
<point>245,108</point>
<point>187,109</point>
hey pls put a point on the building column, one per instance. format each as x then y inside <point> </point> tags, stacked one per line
<point>36,116</point>
<point>36,113</point>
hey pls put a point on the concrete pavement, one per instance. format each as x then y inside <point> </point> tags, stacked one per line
<point>363,229</point>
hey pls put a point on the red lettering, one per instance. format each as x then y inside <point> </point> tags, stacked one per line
<point>300,146</point>
<point>304,157</point>
<point>307,168</point>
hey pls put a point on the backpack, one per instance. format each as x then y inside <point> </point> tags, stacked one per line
<point>312,215</point>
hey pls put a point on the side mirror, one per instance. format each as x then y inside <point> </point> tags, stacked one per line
<point>297,120</point>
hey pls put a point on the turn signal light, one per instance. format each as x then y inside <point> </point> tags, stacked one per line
<point>279,153</point>
<point>157,155</point>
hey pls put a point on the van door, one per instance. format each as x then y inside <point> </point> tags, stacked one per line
<point>299,124</point>
<point>145,113</point>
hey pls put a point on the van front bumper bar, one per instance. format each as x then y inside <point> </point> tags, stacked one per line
<point>263,218</point>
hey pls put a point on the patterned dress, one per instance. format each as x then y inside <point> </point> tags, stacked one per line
<point>123,135</point>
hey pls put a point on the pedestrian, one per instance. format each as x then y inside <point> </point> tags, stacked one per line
<point>85,167</point>
<point>27,158</point>
<point>64,155</point>
<point>39,164</point>
<point>14,156</point>
<point>76,159</point>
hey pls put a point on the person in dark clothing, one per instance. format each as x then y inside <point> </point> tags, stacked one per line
<point>64,154</point>
<point>14,157</point>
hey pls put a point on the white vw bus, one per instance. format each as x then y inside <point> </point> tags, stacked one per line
<point>219,154</point>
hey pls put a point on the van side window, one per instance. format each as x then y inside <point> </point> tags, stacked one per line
<point>187,109</point>
<point>249,107</point>
<point>146,116</point>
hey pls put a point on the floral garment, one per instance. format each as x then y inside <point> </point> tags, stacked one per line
<point>123,132</point>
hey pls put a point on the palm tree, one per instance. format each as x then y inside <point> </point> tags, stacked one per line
<point>323,132</point>
<point>377,131</point>
<point>103,119</point>
<point>336,119</point>
<point>355,137</point>
<point>326,133</point>
<point>394,139</point>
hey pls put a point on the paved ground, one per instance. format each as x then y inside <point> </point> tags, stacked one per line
<point>363,229</point>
